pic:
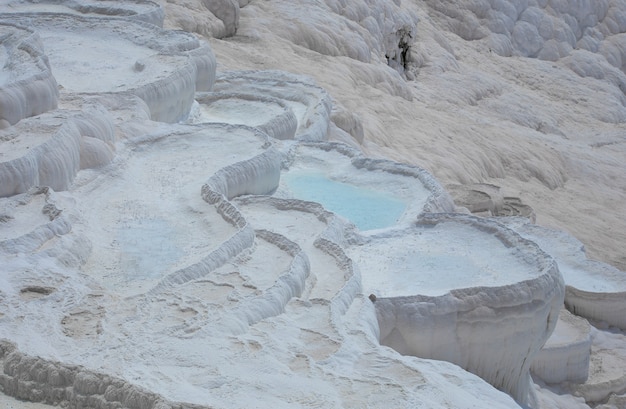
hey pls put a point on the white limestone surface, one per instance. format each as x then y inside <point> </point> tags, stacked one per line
<point>446,288</point>
<point>27,85</point>
<point>539,130</point>
<point>136,274</point>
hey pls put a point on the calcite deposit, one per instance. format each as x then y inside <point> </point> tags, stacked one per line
<point>236,204</point>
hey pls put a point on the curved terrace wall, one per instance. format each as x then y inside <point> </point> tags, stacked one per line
<point>30,88</point>
<point>493,332</point>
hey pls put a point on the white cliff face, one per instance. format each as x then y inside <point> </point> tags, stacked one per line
<point>147,263</point>
<point>548,30</point>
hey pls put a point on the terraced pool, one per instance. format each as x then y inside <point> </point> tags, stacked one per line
<point>368,209</point>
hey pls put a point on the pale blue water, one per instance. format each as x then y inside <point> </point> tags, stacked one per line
<point>368,209</point>
<point>148,248</point>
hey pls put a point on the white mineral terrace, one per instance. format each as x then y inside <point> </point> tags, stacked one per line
<point>101,8</point>
<point>309,103</point>
<point>137,10</point>
<point>83,62</point>
<point>432,260</point>
<point>271,115</point>
<point>163,68</point>
<point>450,279</point>
<point>172,237</point>
<point>239,110</point>
<point>594,290</point>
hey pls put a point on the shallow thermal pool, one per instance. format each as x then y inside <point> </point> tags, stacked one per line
<point>368,209</point>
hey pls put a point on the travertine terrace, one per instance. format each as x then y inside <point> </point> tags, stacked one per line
<point>165,240</point>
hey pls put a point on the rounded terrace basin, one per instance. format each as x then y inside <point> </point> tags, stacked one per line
<point>368,209</point>
<point>270,115</point>
<point>142,10</point>
<point>465,290</point>
<point>593,290</point>
<point>93,55</point>
<point>371,194</point>
<point>310,104</point>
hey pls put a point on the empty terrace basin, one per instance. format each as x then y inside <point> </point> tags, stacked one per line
<point>94,55</point>
<point>433,260</point>
<point>90,56</point>
<point>143,10</point>
<point>271,115</point>
<point>465,290</point>
<point>310,104</point>
<point>371,194</point>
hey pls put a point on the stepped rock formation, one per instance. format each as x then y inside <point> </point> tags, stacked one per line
<point>191,222</point>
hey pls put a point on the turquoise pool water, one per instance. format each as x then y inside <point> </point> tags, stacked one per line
<point>368,209</point>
